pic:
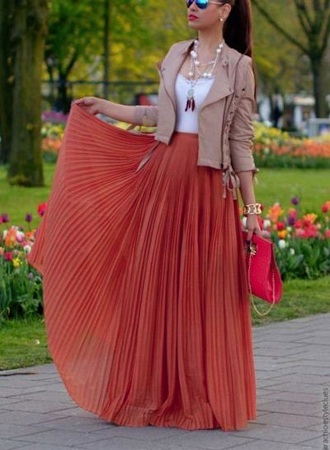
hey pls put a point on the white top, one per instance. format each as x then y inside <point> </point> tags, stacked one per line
<point>187,121</point>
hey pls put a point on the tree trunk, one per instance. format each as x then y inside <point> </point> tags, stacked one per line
<point>63,101</point>
<point>28,35</point>
<point>6,80</point>
<point>319,87</point>
<point>326,73</point>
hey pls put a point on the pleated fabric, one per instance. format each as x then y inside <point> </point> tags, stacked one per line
<point>145,295</point>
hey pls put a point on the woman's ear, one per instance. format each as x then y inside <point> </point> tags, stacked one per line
<point>226,11</point>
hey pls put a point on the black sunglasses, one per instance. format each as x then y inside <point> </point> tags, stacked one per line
<point>202,4</point>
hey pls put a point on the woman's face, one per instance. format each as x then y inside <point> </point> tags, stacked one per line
<point>208,18</point>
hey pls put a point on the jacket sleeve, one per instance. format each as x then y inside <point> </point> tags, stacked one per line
<point>241,132</point>
<point>146,116</point>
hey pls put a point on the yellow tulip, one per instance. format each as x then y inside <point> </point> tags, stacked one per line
<point>17,262</point>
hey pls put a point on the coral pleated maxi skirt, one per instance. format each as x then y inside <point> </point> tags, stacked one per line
<point>145,294</point>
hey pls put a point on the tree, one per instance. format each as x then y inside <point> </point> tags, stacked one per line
<point>119,41</point>
<point>23,29</point>
<point>149,32</point>
<point>6,80</point>
<point>279,64</point>
<point>282,69</point>
<point>313,17</point>
<point>75,31</point>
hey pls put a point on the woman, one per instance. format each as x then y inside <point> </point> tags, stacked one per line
<point>146,299</point>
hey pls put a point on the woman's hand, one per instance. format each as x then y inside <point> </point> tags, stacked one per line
<point>122,113</point>
<point>252,226</point>
<point>92,105</point>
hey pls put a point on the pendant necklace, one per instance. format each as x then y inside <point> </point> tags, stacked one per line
<point>195,73</point>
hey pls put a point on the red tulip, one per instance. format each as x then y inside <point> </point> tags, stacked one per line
<point>42,208</point>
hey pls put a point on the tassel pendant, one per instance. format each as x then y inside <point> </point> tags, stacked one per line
<point>190,100</point>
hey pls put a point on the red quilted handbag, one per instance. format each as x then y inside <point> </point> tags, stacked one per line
<point>264,278</point>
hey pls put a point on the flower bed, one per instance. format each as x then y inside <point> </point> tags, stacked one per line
<point>302,240</point>
<point>275,148</point>
<point>20,284</point>
<point>272,147</point>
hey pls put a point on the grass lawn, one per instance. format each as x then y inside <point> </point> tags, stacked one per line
<point>281,185</point>
<point>23,342</point>
<point>17,201</point>
<point>274,185</point>
<point>300,298</point>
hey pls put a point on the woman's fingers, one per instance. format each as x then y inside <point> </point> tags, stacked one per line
<point>252,226</point>
<point>90,104</point>
<point>249,235</point>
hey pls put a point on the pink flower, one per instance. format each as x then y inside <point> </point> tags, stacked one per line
<point>293,212</point>
<point>266,234</point>
<point>19,236</point>
<point>299,232</point>
<point>8,256</point>
<point>310,232</point>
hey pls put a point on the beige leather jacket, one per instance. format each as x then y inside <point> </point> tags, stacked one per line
<point>225,119</point>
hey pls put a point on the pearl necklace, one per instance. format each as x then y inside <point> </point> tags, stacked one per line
<point>195,74</point>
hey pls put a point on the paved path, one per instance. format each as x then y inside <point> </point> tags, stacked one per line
<point>293,370</point>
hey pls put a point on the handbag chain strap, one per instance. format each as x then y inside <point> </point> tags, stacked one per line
<point>264,313</point>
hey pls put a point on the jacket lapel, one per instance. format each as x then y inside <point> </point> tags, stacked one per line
<point>171,67</point>
<point>222,86</point>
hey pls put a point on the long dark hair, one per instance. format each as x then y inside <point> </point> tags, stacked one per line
<point>237,30</point>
